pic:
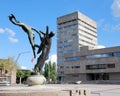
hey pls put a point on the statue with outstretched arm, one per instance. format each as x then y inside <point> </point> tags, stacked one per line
<point>28,29</point>
<point>44,48</point>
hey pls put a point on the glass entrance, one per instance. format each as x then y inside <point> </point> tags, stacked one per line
<point>97,76</point>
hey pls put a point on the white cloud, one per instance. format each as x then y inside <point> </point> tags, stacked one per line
<point>23,67</point>
<point>100,22</point>
<point>116,8</point>
<point>11,32</point>
<point>13,40</point>
<point>52,58</point>
<point>116,27</point>
<point>2,30</point>
<point>111,27</point>
<point>108,27</point>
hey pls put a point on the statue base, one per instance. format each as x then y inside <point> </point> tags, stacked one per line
<point>36,80</point>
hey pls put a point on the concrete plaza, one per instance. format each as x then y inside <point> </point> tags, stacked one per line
<point>95,89</point>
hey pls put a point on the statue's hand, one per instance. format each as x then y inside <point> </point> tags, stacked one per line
<point>11,16</point>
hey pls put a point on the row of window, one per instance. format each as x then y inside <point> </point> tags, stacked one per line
<point>73,58</point>
<point>87,33</point>
<point>67,36</point>
<point>85,36</point>
<point>72,67</point>
<point>103,55</point>
<point>68,31</point>
<point>67,51</point>
<point>72,25</point>
<point>60,62</point>
<point>91,67</point>
<point>97,76</point>
<point>87,28</point>
<point>99,66</point>
<point>87,42</point>
<point>93,56</point>
<point>66,41</point>
<point>67,21</point>
<point>69,67</point>
<point>87,23</point>
<point>68,46</point>
<point>67,26</point>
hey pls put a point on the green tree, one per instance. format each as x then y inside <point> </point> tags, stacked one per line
<point>26,74</point>
<point>19,75</point>
<point>22,75</point>
<point>7,64</point>
<point>50,71</point>
<point>46,70</point>
<point>54,72</point>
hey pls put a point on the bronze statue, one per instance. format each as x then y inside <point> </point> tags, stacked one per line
<point>28,29</point>
<point>45,45</point>
<point>44,48</point>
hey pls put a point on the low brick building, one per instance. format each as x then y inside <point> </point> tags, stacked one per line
<point>8,70</point>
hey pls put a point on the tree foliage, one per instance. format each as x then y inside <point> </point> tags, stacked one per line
<point>6,64</point>
<point>50,71</point>
<point>22,75</point>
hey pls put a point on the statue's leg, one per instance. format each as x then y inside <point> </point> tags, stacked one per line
<point>31,40</point>
<point>40,63</point>
<point>36,45</point>
<point>34,53</point>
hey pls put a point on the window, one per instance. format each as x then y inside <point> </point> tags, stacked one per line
<point>96,66</point>
<point>72,67</point>
<point>73,58</point>
<point>117,54</point>
<point>111,65</point>
<point>70,51</point>
<point>67,26</point>
<point>97,76</point>
<point>99,56</point>
<point>99,66</point>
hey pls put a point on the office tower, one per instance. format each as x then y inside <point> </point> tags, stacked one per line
<point>74,30</point>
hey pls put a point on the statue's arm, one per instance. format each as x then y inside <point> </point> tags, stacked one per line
<point>41,36</point>
<point>11,17</point>
<point>42,32</point>
<point>35,30</point>
<point>38,33</point>
<point>47,29</point>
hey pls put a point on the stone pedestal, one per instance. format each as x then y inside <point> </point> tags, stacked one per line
<point>36,80</point>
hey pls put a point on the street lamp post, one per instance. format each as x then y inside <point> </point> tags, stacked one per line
<point>11,71</point>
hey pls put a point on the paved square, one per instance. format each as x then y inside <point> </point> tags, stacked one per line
<point>96,89</point>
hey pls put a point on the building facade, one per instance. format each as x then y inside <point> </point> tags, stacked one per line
<point>7,70</point>
<point>74,31</point>
<point>93,66</point>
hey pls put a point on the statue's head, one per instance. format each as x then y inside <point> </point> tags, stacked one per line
<point>11,16</point>
<point>51,34</point>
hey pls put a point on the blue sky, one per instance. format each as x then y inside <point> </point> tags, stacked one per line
<point>39,13</point>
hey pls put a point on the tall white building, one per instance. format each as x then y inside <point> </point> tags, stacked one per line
<point>74,31</point>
